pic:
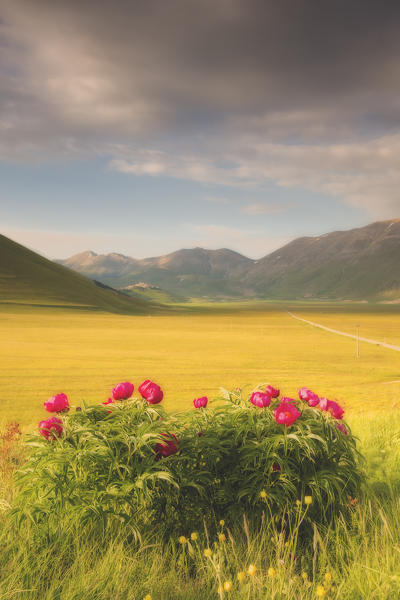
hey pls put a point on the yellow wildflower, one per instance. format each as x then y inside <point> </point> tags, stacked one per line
<point>298,502</point>
<point>194,536</point>
<point>304,576</point>
<point>241,576</point>
<point>208,552</point>
<point>222,522</point>
<point>182,540</point>
<point>221,537</point>
<point>308,500</point>
<point>328,577</point>
<point>321,591</point>
<point>147,597</point>
<point>228,586</point>
<point>252,569</point>
<point>263,494</point>
<point>271,572</point>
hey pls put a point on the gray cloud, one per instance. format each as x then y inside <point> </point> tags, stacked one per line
<point>306,92</point>
<point>363,172</point>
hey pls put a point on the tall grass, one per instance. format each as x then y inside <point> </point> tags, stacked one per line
<point>350,561</point>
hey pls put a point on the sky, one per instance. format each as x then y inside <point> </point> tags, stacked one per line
<point>144,127</point>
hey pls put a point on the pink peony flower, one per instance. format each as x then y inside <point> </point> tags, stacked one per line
<point>167,448</point>
<point>260,399</point>
<point>51,428</point>
<point>200,402</point>
<point>332,407</point>
<point>342,428</point>
<point>309,396</point>
<point>122,391</point>
<point>273,392</point>
<point>151,392</point>
<point>286,414</point>
<point>58,403</point>
<point>288,400</point>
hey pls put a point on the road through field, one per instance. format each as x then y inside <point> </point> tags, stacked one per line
<point>349,335</point>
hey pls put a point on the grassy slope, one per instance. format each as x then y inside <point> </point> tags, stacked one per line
<point>45,351</point>
<point>28,278</point>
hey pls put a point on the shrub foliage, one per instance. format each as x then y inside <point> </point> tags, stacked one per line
<point>131,463</point>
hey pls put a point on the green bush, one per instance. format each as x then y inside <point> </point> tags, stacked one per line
<point>232,459</point>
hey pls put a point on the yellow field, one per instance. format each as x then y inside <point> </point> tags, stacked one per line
<point>384,327</point>
<point>44,351</point>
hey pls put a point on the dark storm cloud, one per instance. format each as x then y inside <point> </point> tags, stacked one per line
<point>141,66</point>
<point>194,79</point>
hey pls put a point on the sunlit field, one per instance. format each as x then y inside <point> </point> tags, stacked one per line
<point>382,325</point>
<point>44,351</point>
<point>193,353</point>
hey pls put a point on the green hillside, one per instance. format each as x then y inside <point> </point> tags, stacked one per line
<point>28,278</point>
<point>358,264</point>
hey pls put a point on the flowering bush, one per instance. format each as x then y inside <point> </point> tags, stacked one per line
<point>132,462</point>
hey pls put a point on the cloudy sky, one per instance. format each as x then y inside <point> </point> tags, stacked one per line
<point>144,126</point>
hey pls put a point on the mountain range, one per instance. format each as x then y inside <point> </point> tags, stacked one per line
<point>362,263</point>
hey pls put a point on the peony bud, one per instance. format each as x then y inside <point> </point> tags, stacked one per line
<point>200,402</point>
<point>151,392</point>
<point>168,447</point>
<point>51,428</point>
<point>58,403</point>
<point>332,407</point>
<point>309,396</point>
<point>273,392</point>
<point>260,399</point>
<point>122,391</point>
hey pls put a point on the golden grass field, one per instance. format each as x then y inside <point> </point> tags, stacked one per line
<point>44,351</point>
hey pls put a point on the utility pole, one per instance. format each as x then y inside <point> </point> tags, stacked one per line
<point>358,340</point>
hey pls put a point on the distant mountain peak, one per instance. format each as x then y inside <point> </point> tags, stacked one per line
<point>358,263</point>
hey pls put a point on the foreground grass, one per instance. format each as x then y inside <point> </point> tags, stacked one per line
<point>356,560</point>
<point>44,351</point>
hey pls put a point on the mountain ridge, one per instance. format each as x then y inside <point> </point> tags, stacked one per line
<point>345,264</point>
